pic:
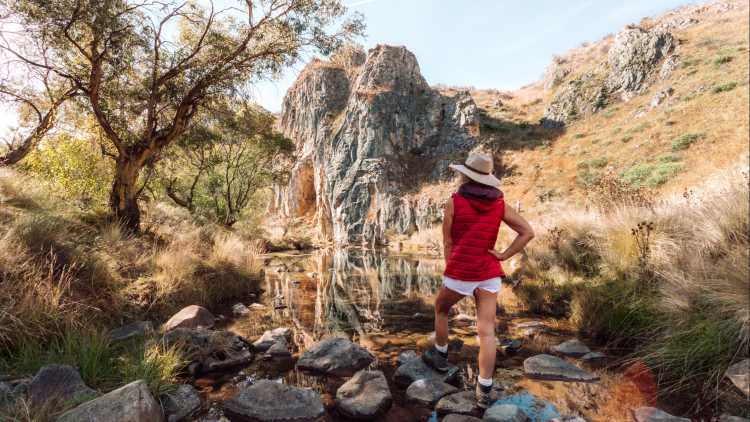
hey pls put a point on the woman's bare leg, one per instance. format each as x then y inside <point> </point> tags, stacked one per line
<point>445,300</point>
<point>486,309</point>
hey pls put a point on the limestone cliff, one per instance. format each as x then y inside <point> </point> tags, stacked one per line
<point>369,133</point>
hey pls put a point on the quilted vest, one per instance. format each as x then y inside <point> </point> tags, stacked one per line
<point>474,232</point>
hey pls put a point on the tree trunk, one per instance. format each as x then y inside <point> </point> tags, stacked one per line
<point>123,200</point>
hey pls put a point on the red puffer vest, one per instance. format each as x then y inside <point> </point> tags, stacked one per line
<point>474,232</point>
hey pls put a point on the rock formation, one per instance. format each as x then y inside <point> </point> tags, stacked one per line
<point>368,133</point>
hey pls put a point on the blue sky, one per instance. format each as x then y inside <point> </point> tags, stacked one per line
<point>499,44</point>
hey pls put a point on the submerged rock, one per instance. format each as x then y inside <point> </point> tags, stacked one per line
<point>181,404</point>
<point>552,368</point>
<point>739,374</point>
<point>505,413</point>
<point>58,384</point>
<point>574,348</point>
<point>192,316</point>
<point>416,369</point>
<point>652,414</point>
<point>269,401</point>
<point>463,403</point>
<point>364,396</point>
<point>136,329</point>
<point>335,356</point>
<point>427,392</point>
<point>130,403</point>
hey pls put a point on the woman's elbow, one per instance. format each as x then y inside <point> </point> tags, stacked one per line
<point>529,234</point>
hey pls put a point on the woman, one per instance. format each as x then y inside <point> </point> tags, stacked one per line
<point>471,221</point>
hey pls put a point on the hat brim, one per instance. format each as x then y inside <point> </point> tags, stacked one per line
<point>485,179</point>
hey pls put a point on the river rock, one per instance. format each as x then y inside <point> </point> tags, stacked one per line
<point>269,401</point>
<point>335,356</point>
<point>416,369</point>
<point>406,356</point>
<point>192,316</point>
<point>240,310</point>
<point>505,413</point>
<point>364,396</point>
<point>130,403</point>
<point>181,404</point>
<point>574,348</point>
<point>729,418</point>
<point>59,383</point>
<point>652,414</point>
<point>133,330</point>
<point>209,350</point>
<point>739,374</point>
<point>271,337</point>
<point>279,350</point>
<point>552,368</point>
<point>427,392</point>
<point>593,357</point>
<point>462,403</point>
<point>460,418</point>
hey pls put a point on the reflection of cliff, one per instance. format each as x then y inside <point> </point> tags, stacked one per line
<point>366,138</point>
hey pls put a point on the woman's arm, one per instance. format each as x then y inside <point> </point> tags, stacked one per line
<point>520,226</point>
<point>447,224</point>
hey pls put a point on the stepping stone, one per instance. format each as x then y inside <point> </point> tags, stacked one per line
<point>279,350</point>
<point>406,356</point>
<point>335,356</point>
<point>652,414</point>
<point>505,413</point>
<point>536,409</point>
<point>416,369</point>
<point>574,348</point>
<point>427,392</point>
<point>192,316</point>
<point>136,329</point>
<point>463,403</point>
<point>270,337</point>
<point>552,368</point>
<point>365,396</point>
<point>130,403</point>
<point>181,404</point>
<point>269,401</point>
<point>739,374</point>
<point>460,418</point>
<point>59,383</point>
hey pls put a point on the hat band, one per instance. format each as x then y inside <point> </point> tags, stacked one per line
<point>475,170</point>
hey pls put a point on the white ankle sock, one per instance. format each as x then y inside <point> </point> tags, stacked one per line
<point>441,349</point>
<point>484,381</point>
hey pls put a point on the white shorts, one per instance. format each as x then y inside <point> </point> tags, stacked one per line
<point>467,288</point>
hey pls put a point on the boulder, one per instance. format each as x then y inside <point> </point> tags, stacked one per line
<point>279,350</point>
<point>427,392</point>
<point>460,418</point>
<point>574,348</point>
<point>416,369</point>
<point>192,316</point>
<point>60,384</point>
<point>552,368</point>
<point>335,356</point>
<point>739,374</point>
<point>462,403</point>
<point>209,350</point>
<point>130,403</point>
<point>652,414</point>
<point>533,407</point>
<point>133,330</point>
<point>633,59</point>
<point>270,337</point>
<point>505,413</point>
<point>269,401</point>
<point>240,310</point>
<point>181,404</point>
<point>365,396</point>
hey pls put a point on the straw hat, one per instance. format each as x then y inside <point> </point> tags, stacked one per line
<point>478,167</point>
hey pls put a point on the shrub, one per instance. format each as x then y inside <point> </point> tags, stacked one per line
<point>588,177</point>
<point>722,60</point>
<point>626,139</point>
<point>650,175</point>
<point>683,142</point>
<point>724,87</point>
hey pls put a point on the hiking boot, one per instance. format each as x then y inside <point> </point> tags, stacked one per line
<point>485,396</point>
<point>436,360</point>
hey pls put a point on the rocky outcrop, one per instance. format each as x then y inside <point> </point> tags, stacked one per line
<point>366,137</point>
<point>632,66</point>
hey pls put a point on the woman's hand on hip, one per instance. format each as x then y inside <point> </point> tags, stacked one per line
<point>500,256</point>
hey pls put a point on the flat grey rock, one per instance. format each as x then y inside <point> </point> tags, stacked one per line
<point>574,348</point>
<point>130,403</point>
<point>181,404</point>
<point>505,413</point>
<point>192,316</point>
<point>593,357</point>
<point>270,337</point>
<point>59,384</point>
<point>530,324</point>
<point>133,330</point>
<point>365,396</point>
<point>462,403</point>
<point>427,392</point>
<point>269,401</point>
<point>460,418</point>
<point>739,374</point>
<point>279,350</point>
<point>416,369</point>
<point>552,368</point>
<point>652,414</point>
<point>335,356</point>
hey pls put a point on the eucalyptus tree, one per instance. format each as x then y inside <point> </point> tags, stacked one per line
<point>144,68</point>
